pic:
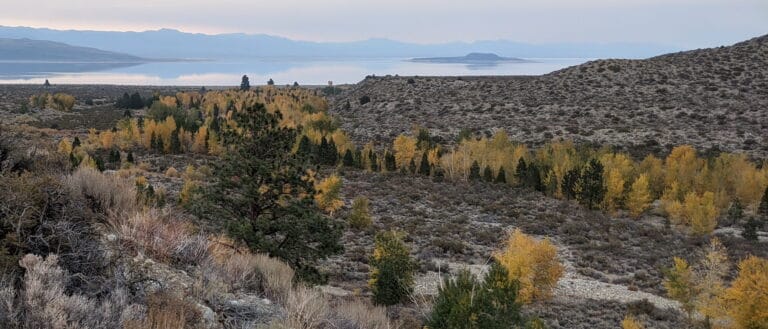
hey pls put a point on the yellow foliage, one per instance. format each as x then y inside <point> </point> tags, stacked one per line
<point>614,190</point>
<point>747,298</point>
<point>107,139</point>
<point>172,172</point>
<point>189,188</point>
<point>328,195</point>
<point>682,166</point>
<point>630,322</point>
<point>639,197</point>
<point>65,147</point>
<point>679,284</point>
<point>199,144</point>
<point>654,168</point>
<point>700,212</point>
<point>405,150</point>
<point>533,263</point>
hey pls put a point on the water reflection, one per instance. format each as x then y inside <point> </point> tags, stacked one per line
<point>283,71</point>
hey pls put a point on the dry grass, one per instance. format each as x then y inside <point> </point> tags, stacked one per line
<point>306,308</point>
<point>111,195</point>
<point>163,237</point>
<point>165,311</point>
<point>365,316</point>
<point>172,172</point>
<point>238,267</point>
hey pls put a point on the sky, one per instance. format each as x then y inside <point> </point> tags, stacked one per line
<point>680,23</point>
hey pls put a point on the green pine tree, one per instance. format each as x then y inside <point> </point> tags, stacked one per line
<point>591,190</point>
<point>488,174</point>
<point>392,270</point>
<point>501,177</point>
<point>474,171</point>
<point>424,167</point>
<point>248,192</point>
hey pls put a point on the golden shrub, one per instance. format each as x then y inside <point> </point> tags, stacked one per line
<point>533,263</point>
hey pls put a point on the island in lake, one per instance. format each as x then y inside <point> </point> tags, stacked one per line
<point>472,58</point>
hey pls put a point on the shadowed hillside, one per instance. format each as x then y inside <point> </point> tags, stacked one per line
<point>710,98</point>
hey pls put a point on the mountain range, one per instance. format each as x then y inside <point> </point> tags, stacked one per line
<point>27,50</point>
<point>168,43</point>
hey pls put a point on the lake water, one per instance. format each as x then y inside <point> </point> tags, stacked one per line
<point>282,71</point>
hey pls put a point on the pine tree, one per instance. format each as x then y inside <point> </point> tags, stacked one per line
<point>424,167</point>
<point>735,212</point>
<point>306,148</point>
<point>374,161</point>
<point>501,177</point>
<point>245,83</point>
<point>750,229</point>
<point>349,159</point>
<point>762,209</point>
<point>591,190</point>
<point>360,217</point>
<point>412,167</point>
<point>487,174</point>
<point>521,172</point>
<point>332,156</point>
<point>76,142</point>
<point>130,158</point>
<point>267,200</point>
<point>389,161</point>
<point>570,181</point>
<point>114,156</point>
<point>359,163</point>
<point>474,171</point>
<point>175,142</point>
<point>392,270</point>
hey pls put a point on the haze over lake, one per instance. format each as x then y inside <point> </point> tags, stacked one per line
<point>305,71</point>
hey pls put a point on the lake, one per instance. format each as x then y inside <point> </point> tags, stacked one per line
<point>315,71</point>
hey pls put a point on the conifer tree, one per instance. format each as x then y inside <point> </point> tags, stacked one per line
<point>389,161</point>
<point>762,209</point>
<point>424,167</point>
<point>175,142</point>
<point>521,172</point>
<point>76,142</point>
<point>591,190</point>
<point>570,181</point>
<point>267,200</point>
<point>374,161</point>
<point>474,171</point>
<point>392,269</point>
<point>245,83</point>
<point>412,167</point>
<point>488,174</point>
<point>349,159</point>
<point>501,177</point>
<point>750,229</point>
<point>735,212</point>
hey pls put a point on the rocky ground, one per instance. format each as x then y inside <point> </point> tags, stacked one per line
<point>712,98</point>
<point>611,261</point>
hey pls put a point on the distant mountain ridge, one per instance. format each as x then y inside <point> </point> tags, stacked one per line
<point>168,43</point>
<point>27,50</point>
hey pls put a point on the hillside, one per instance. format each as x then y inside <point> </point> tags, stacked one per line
<point>710,98</point>
<point>39,50</point>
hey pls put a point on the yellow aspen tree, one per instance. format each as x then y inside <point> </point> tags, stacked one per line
<point>713,268</point>
<point>671,203</point>
<point>405,150</point>
<point>614,190</point>
<point>631,322</point>
<point>328,196</point>
<point>64,147</point>
<point>214,147</point>
<point>107,139</point>
<point>700,212</point>
<point>682,166</point>
<point>533,263</point>
<point>747,299</point>
<point>680,285</point>
<point>150,128</point>
<point>654,168</point>
<point>639,197</point>
<point>199,143</point>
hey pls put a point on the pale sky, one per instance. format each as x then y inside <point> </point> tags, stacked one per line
<point>682,23</point>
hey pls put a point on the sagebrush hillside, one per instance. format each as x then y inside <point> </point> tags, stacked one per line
<point>710,98</point>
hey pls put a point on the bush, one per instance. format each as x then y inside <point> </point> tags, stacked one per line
<point>464,303</point>
<point>392,270</point>
<point>360,217</point>
<point>533,263</point>
<point>365,100</point>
